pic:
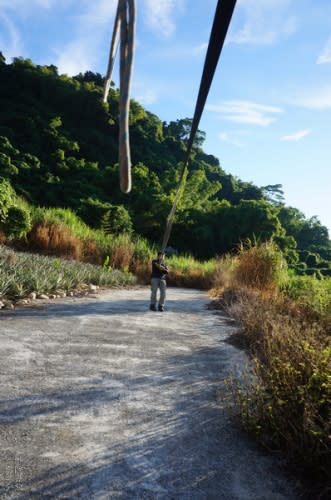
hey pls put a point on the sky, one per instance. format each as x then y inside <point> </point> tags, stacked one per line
<point>268,113</point>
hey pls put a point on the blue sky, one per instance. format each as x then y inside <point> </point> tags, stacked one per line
<point>267,117</point>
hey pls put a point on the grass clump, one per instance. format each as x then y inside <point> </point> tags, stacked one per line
<point>260,267</point>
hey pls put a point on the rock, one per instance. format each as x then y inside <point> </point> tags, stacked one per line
<point>32,296</point>
<point>61,294</point>
<point>21,302</point>
<point>52,296</point>
<point>2,305</point>
<point>92,288</point>
<point>9,305</point>
<point>42,296</point>
<point>70,294</point>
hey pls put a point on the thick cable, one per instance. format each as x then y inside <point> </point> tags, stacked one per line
<point>123,34</point>
<point>222,18</point>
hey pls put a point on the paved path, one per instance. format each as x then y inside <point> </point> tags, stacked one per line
<point>101,398</point>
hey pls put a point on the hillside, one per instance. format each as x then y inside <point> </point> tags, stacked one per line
<point>58,148</point>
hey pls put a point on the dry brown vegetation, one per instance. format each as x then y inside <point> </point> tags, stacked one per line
<point>286,399</point>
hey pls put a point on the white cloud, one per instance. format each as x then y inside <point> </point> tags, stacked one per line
<point>245,112</point>
<point>82,52</point>
<point>296,136</point>
<point>325,55</point>
<point>319,99</point>
<point>229,138</point>
<point>99,12</point>
<point>10,39</point>
<point>148,97</point>
<point>264,22</point>
<point>18,5</point>
<point>160,15</point>
<point>76,57</point>
<point>199,49</point>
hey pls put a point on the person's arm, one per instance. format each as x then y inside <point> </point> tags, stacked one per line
<point>164,268</point>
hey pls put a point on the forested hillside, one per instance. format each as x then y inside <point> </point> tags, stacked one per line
<point>58,148</point>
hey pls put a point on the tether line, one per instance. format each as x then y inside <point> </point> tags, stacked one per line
<point>123,34</point>
<point>222,18</point>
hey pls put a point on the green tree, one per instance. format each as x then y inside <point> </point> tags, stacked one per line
<point>116,220</point>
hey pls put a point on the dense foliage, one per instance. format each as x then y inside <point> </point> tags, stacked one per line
<point>58,148</point>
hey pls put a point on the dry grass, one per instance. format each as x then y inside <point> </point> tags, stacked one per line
<point>2,237</point>
<point>91,252</point>
<point>288,406</point>
<point>54,239</point>
<point>142,271</point>
<point>121,252</point>
<point>287,401</point>
<point>261,267</point>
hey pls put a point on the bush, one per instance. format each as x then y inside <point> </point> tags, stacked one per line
<point>17,223</point>
<point>116,220</point>
<point>262,267</point>
<point>310,292</point>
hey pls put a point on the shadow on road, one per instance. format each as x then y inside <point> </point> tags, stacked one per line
<point>130,306</point>
<point>187,433</point>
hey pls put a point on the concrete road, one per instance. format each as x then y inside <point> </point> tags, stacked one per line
<point>101,398</point>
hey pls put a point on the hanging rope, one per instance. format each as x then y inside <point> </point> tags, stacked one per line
<point>222,18</point>
<point>124,32</point>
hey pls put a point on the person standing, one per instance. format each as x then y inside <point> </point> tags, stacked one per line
<point>158,281</point>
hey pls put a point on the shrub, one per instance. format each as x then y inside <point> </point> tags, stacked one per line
<point>287,401</point>
<point>116,220</point>
<point>18,222</point>
<point>262,267</point>
<point>310,292</point>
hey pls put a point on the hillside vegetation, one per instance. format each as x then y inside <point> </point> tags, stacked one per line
<point>58,148</point>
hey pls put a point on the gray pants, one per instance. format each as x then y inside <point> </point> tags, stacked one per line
<point>161,284</point>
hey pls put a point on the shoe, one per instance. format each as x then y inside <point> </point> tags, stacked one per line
<point>152,307</point>
<point>161,308</point>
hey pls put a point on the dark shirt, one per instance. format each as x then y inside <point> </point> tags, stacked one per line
<point>159,273</point>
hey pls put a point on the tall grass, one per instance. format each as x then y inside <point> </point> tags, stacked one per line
<point>286,402</point>
<point>310,293</point>
<point>261,267</point>
<point>188,272</point>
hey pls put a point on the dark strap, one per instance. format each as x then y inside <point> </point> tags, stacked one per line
<point>222,18</point>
